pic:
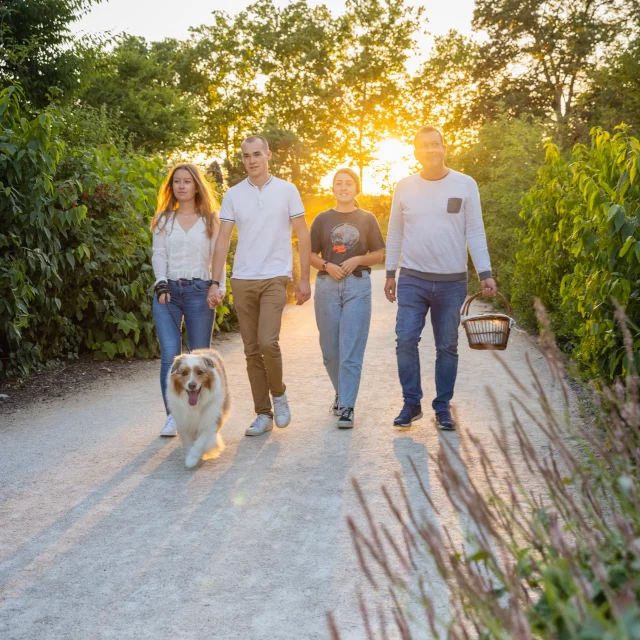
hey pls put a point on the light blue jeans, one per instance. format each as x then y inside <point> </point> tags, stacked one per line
<point>343,315</point>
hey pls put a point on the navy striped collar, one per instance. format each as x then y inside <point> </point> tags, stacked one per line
<point>264,185</point>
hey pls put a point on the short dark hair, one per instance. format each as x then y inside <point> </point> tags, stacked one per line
<point>255,138</point>
<point>428,129</point>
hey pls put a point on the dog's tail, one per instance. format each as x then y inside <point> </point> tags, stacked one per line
<point>215,451</point>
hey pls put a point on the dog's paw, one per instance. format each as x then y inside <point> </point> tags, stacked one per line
<point>191,461</point>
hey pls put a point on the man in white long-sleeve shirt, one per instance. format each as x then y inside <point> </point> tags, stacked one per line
<point>435,218</point>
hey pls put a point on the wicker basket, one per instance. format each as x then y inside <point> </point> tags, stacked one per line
<point>487,330</point>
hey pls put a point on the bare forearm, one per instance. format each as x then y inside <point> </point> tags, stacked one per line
<point>304,247</point>
<point>221,250</point>
<point>317,261</point>
<point>369,259</point>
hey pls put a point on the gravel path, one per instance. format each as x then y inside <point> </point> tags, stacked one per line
<point>105,534</point>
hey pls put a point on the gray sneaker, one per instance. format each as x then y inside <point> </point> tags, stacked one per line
<point>335,407</point>
<point>281,412</point>
<point>345,421</point>
<point>260,425</point>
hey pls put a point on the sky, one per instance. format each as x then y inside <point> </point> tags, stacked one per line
<point>158,19</point>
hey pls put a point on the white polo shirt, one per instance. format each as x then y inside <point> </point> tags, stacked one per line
<point>263,217</point>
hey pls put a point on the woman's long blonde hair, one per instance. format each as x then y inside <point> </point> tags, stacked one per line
<point>206,200</point>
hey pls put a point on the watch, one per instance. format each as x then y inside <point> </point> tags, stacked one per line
<point>215,282</point>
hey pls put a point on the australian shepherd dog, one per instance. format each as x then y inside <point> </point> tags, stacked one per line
<point>199,401</point>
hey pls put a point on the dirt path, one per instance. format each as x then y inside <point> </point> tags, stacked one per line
<point>105,534</point>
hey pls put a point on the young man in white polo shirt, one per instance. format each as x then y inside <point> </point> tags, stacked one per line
<point>264,208</point>
<point>435,218</point>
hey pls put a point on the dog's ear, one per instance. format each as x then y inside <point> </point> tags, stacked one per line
<point>177,363</point>
<point>210,362</point>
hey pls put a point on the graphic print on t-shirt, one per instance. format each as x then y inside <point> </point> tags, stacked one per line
<point>344,237</point>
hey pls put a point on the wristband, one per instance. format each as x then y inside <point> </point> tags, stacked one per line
<point>161,288</point>
<point>215,282</point>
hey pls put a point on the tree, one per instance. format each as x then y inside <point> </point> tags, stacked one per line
<point>37,49</point>
<point>139,84</point>
<point>539,52</point>
<point>444,92</point>
<point>613,95</point>
<point>219,67</point>
<point>379,37</point>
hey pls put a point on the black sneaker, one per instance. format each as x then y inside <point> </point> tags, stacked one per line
<point>345,421</point>
<point>410,413</point>
<point>335,407</point>
<point>445,421</point>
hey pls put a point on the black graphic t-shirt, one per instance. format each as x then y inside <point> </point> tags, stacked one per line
<point>338,236</point>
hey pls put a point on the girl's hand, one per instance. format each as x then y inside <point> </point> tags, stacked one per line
<point>163,298</point>
<point>348,266</point>
<point>214,297</point>
<point>335,272</point>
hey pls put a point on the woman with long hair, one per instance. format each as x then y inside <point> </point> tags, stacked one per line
<point>184,230</point>
<point>345,242</point>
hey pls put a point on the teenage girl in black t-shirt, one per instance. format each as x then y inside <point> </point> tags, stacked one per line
<point>345,242</point>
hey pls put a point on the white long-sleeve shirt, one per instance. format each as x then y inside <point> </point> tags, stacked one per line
<point>179,254</point>
<point>431,225</point>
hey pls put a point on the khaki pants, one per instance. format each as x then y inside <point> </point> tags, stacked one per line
<point>259,305</point>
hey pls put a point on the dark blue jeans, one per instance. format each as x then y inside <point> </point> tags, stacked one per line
<point>188,300</point>
<point>415,298</point>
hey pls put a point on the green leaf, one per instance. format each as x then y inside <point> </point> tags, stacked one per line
<point>626,246</point>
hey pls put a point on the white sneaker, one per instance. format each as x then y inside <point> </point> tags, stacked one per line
<point>260,425</point>
<point>169,429</point>
<point>281,411</point>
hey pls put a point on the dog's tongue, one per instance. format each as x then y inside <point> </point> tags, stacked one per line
<point>193,398</point>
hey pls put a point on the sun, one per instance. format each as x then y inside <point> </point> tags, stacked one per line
<point>393,160</point>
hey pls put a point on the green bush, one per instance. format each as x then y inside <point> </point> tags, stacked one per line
<point>503,161</point>
<point>74,246</point>
<point>580,247</point>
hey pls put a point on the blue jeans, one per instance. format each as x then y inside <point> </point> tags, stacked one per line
<point>343,315</point>
<point>415,298</point>
<point>188,300</point>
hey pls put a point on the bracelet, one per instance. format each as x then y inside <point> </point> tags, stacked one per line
<point>215,282</point>
<point>161,288</point>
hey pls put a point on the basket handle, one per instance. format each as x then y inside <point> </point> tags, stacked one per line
<point>467,304</point>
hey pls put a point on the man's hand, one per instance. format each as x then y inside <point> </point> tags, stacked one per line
<point>215,296</point>
<point>335,271</point>
<point>163,298</point>
<point>303,292</point>
<point>349,265</point>
<point>489,287</point>
<point>390,289</point>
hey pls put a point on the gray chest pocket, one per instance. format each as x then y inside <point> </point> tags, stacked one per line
<point>454,205</point>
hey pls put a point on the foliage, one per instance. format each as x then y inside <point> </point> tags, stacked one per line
<point>537,53</point>
<point>612,96</point>
<point>444,93</point>
<point>580,247</point>
<point>559,566</point>
<point>38,50</point>
<point>373,74</point>
<point>74,248</point>
<point>139,85</point>
<point>504,161</point>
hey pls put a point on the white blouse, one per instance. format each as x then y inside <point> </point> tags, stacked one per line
<point>179,254</point>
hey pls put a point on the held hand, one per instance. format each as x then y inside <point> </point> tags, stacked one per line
<point>214,297</point>
<point>163,298</point>
<point>335,272</point>
<point>349,265</point>
<point>489,287</point>
<point>390,289</point>
<point>303,292</point>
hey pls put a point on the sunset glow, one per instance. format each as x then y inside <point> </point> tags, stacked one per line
<point>393,161</point>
